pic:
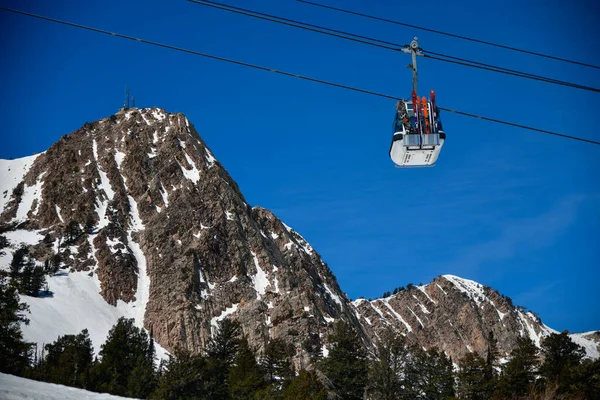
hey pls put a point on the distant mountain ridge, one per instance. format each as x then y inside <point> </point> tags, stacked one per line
<point>151,226</point>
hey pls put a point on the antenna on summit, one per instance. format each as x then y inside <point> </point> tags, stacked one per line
<point>126,105</point>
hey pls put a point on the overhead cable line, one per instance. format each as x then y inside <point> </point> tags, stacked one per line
<point>245,64</point>
<point>386,45</point>
<point>451,34</point>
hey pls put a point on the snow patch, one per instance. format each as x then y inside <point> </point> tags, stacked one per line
<point>325,351</point>
<point>228,311</point>
<point>11,173</point>
<point>591,347</point>
<point>334,296</point>
<point>443,291</point>
<point>105,187</point>
<point>76,304</point>
<point>398,316</point>
<point>158,114</point>
<point>210,160</point>
<point>473,289</point>
<point>17,388</point>
<point>119,157</point>
<point>165,195</point>
<point>259,280</point>
<point>193,174</point>
<point>229,215</point>
<point>58,214</point>
<point>30,193</point>
<point>422,289</point>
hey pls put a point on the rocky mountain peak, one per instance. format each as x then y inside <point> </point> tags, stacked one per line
<point>139,202</point>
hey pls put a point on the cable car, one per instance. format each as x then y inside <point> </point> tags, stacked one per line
<point>418,134</point>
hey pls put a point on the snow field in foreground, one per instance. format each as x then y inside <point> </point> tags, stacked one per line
<point>16,388</point>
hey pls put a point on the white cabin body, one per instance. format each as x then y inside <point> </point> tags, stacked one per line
<point>411,145</point>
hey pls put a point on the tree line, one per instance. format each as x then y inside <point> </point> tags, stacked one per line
<point>229,368</point>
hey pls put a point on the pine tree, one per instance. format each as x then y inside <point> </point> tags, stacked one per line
<point>68,360</point>
<point>562,356</point>
<point>14,352</point>
<point>434,375</point>
<point>276,363</point>
<point>221,352</point>
<point>491,363</point>
<point>182,377</point>
<point>72,232</point>
<point>386,371</point>
<point>518,374</point>
<point>305,386</point>
<point>246,377</point>
<point>18,261</point>
<point>346,365</point>
<point>472,383</point>
<point>124,361</point>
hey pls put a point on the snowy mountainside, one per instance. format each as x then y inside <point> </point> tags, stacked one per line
<point>458,316</point>
<point>146,223</point>
<point>17,388</point>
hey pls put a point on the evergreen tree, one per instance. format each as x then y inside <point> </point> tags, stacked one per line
<point>221,352</point>
<point>386,371</point>
<point>346,365</point>
<point>18,261</point>
<point>246,377</point>
<point>14,352</point>
<point>518,375</point>
<point>124,361</point>
<point>68,360</point>
<point>588,379</point>
<point>182,377</point>
<point>491,363</point>
<point>276,363</point>
<point>430,375</point>
<point>562,356</point>
<point>305,386</point>
<point>31,280</point>
<point>472,382</point>
<point>72,232</point>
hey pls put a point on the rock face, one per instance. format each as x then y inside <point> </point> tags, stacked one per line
<point>138,202</point>
<point>457,315</point>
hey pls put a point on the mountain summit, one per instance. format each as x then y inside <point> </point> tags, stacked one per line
<point>144,222</point>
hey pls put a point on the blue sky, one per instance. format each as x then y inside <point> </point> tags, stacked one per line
<point>512,209</point>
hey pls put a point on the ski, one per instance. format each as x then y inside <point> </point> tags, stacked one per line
<point>425,114</point>
<point>415,105</point>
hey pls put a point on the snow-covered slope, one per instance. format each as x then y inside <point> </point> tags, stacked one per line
<point>11,173</point>
<point>74,303</point>
<point>16,388</point>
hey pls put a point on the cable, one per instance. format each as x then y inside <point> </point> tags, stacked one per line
<point>507,71</point>
<point>384,44</point>
<point>451,35</point>
<point>520,126</point>
<point>290,22</point>
<point>386,96</point>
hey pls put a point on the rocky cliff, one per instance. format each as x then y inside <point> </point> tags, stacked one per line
<point>457,315</point>
<point>137,205</point>
<point>139,201</point>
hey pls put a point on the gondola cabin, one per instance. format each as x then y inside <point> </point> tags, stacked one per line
<point>418,135</point>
